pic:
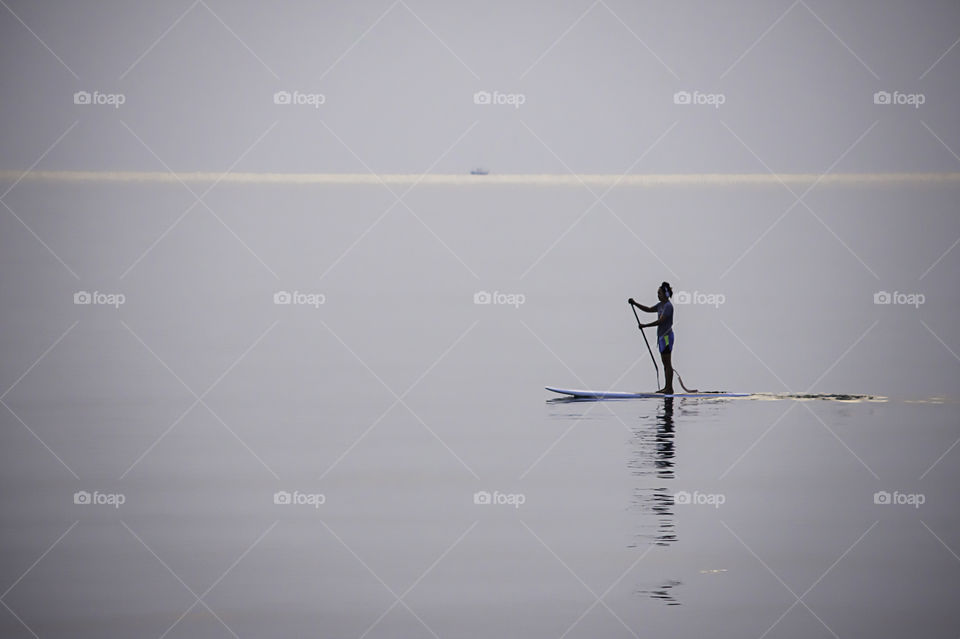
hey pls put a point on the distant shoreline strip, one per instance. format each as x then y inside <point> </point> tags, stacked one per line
<point>532,179</point>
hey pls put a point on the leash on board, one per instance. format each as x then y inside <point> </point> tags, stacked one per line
<point>684,387</point>
<point>654,359</point>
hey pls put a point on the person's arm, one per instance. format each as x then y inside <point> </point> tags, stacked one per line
<point>645,309</point>
<point>667,316</point>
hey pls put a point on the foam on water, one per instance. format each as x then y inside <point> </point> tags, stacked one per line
<point>836,397</point>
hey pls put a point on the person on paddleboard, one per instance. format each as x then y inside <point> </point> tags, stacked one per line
<point>664,324</point>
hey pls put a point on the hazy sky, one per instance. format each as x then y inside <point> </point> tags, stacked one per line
<point>597,81</point>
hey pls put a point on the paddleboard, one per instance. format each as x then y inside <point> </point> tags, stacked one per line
<point>593,394</point>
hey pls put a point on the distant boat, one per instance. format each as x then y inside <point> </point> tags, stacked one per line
<point>479,171</point>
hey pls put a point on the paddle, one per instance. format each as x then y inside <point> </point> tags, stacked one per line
<point>649,350</point>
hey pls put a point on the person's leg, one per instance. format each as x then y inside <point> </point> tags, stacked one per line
<point>665,356</point>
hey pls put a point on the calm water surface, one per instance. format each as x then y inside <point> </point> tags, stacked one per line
<point>403,403</point>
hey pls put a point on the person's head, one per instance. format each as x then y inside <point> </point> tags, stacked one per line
<point>664,292</point>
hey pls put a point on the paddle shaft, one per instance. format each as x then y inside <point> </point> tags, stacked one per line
<point>649,350</point>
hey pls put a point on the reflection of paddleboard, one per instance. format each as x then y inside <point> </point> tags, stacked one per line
<point>591,394</point>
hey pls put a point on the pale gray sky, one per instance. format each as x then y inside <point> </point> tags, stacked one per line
<point>398,78</point>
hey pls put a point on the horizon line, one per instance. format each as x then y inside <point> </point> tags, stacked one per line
<point>460,179</point>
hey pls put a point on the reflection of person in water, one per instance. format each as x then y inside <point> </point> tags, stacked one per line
<point>663,462</point>
<point>654,457</point>
<point>665,451</point>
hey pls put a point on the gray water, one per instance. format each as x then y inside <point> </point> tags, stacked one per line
<point>399,398</point>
